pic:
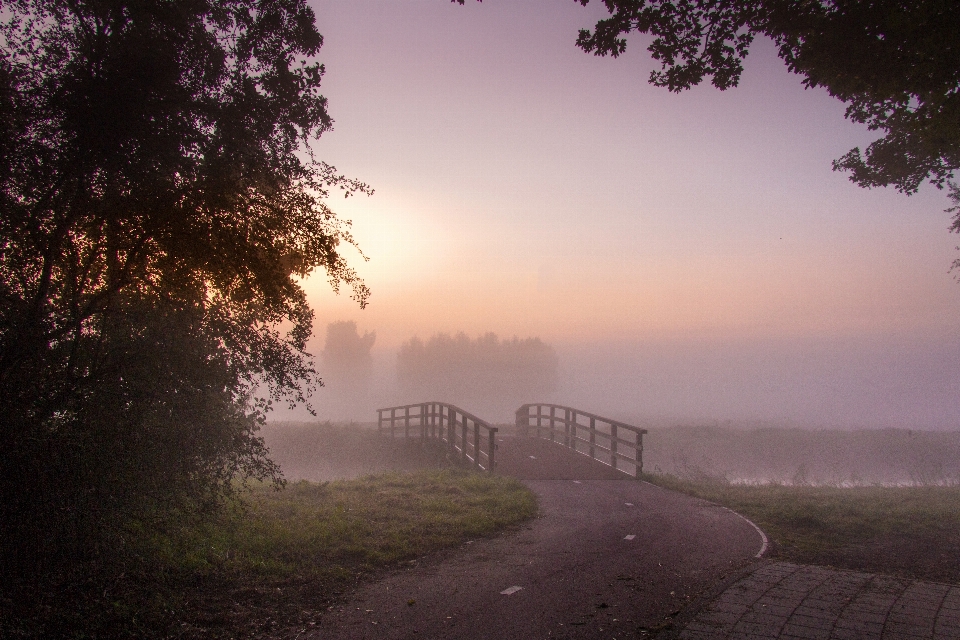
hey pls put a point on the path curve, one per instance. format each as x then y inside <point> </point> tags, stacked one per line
<point>609,557</point>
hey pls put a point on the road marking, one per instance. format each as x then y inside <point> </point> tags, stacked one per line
<point>629,504</point>
<point>765,543</point>
<point>576,482</point>
<point>509,591</point>
<point>533,457</point>
<point>629,537</point>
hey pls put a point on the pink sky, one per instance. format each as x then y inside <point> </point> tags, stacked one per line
<point>527,188</point>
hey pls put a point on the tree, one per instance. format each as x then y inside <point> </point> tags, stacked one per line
<point>159,205</point>
<point>485,376</point>
<point>347,369</point>
<point>893,62</point>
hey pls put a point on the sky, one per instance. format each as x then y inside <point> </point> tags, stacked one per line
<point>691,257</point>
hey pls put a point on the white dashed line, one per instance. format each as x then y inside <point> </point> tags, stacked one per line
<point>533,457</point>
<point>629,504</point>
<point>629,536</point>
<point>576,482</point>
<point>509,591</point>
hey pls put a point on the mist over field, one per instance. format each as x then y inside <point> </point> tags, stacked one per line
<point>836,383</point>
<point>842,411</point>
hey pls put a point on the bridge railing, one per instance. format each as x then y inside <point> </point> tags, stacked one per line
<point>615,443</point>
<point>469,439</point>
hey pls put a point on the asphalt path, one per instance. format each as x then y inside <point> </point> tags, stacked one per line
<point>608,557</point>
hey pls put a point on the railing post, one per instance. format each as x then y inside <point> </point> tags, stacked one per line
<point>380,421</point>
<point>393,413</point>
<point>539,418</point>
<point>566,427</point>
<point>423,424</point>
<point>593,437</point>
<point>552,426</point>
<point>639,472</point>
<point>613,446</point>
<point>575,426</point>
<point>491,448</point>
<point>451,428</point>
<point>476,444</point>
<point>463,441</point>
<point>406,422</point>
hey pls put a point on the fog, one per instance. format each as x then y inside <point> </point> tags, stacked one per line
<point>812,383</point>
<point>839,411</point>
<point>320,451</point>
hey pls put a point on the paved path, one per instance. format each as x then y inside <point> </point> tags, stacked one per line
<point>783,600</point>
<point>609,557</point>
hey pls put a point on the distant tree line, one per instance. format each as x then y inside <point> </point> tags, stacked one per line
<point>482,375</point>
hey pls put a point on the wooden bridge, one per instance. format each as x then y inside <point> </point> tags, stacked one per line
<point>473,441</point>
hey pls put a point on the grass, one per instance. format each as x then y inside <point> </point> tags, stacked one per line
<point>908,531</point>
<point>369,522</point>
<point>288,554</point>
<point>279,559</point>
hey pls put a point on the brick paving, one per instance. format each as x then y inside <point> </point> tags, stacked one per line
<point>790,601</point>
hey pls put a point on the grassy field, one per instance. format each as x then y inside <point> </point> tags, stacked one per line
<point>290,553</point>
<point>278,560</point>
<point>910,531</point>
<point>835,457</point>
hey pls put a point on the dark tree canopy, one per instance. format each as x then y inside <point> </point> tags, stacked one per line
<point>158,205</point>
<point>895,63</point>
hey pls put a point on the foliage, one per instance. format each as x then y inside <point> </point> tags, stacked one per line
<point>279,558</point>
<point>893,63</point>
<point>346,347</point>
<point>347,369</point>
<point>476,373</point>
<point>159,205</point>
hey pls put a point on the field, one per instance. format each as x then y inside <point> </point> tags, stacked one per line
<point>879,500</point>
<point>863,457</point>
<point>321,451</point>
<point>910,531</point>
<point>286,557</point>
<point>884,500</point>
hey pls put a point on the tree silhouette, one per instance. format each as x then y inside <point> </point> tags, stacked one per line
<point>159,206</point>
<point>893,62</point>
<point>347,369</point>
<point>484,376</point>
